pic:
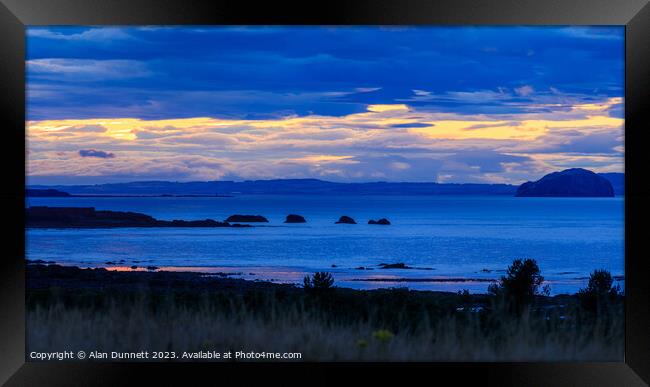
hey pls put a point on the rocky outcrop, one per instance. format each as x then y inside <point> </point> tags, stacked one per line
<point>393,266</point>
<point>247,218</point>
<point>293,218</point>
<point>346,220</point>
<point>88,217</point>
<point>575,182</point>
<point>382,221</point>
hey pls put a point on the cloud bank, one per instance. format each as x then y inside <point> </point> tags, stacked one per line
<point>447,104</point>
<point>383,143</point>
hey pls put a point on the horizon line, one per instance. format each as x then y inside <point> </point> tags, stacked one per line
<point>294,179</point>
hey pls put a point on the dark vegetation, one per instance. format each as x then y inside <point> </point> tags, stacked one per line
<point>600,293</point>
<point>96,309</point>
<point>522,282</point>
<point>320,281</point>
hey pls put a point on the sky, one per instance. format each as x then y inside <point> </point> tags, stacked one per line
<point>347,104</point>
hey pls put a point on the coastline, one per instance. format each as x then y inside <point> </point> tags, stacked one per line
<point>44,274</point>
<point>462,238</point>
<point>352,278</point>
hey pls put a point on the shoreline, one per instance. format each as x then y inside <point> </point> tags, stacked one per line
<point>44,276</point>
<point>352,278</point>
<point>73,279</point>
<point>122,274</point>
<point>91,309</point>
<point>240,273</point>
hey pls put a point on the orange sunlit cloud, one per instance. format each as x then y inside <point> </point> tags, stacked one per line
<point>210,148</point>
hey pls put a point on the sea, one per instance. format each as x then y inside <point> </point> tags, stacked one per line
<point>449,243</point>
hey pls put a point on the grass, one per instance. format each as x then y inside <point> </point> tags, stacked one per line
<point>330,325</point>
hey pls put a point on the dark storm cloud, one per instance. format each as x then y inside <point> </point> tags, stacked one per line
<point>96,153</point>
<point>412,125</point>
<point>151,73</point>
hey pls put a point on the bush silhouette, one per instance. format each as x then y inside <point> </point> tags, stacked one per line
<point>521,284</point>
<point>319,281</point>
<point>600,291</point>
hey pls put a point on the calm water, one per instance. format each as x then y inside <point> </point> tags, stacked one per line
<point>442,237</point>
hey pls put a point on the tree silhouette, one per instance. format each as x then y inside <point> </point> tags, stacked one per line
<point>319,281</point>
<point>521,284</point>
<point>600,291</point>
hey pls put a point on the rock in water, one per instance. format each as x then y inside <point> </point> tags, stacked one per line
<point>382,221</point>
<point>399,265</point>
<point>346,220</point>
<point>574,182</point>
<point>247,218</point>
<point>293,218</point>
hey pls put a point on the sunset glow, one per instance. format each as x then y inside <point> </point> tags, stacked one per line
<point>114,114</point>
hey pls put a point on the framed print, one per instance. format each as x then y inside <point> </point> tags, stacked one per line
<point>450,188</point>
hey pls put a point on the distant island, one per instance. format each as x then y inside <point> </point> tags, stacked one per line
<point>617,180</point>
<point>47,193</point>
<point>88,217</point>
<point>54,193</point>
<point>286,187</point>
<point>574,182</point>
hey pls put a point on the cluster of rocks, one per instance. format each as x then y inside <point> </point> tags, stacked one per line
<point>347,220</point>
<point>294,218</point>
<point>89,217</point>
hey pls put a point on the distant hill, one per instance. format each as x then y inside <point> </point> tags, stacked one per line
<point>574,182</point>
<point>282,187</point>
<point>617,180</point>
<point>45,193</point>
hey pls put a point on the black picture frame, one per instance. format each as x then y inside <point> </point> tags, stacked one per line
<point>633,14</point>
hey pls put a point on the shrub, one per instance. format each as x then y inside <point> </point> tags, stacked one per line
<point>600,291</point>
<point>319,281</point>
<point>383,335</point>
<point>521,283</point>
<point>362,343</point>
<point>465,299</point>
